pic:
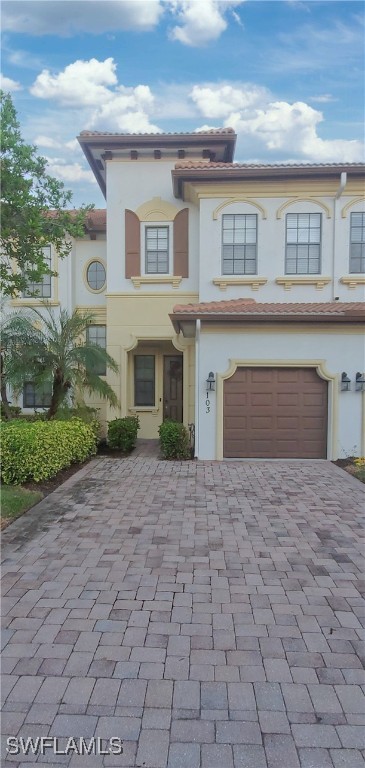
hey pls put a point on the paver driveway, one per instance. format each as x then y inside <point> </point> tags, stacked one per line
<point>209,614</point>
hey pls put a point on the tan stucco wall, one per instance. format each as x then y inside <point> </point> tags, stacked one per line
<point>140,323</point>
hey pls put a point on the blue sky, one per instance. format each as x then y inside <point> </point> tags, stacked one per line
<point>287,75</point>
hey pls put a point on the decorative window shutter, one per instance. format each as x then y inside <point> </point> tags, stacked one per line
<point>132,244</point>
<point>181,243</point>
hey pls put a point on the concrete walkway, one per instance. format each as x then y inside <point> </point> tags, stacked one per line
<point>207,613</point>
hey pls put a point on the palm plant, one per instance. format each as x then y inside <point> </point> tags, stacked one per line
<point>54,350</point>
<point>12,330</point>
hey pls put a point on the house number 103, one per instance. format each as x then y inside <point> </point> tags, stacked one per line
<point>207,404</point>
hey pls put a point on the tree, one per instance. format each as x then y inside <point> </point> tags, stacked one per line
<point>34,209</point>
<point>55,351</point>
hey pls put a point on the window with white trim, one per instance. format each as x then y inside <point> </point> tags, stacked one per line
<point>43,289</point>
<point>357,242</point>
<point>96,334</point>
<point>156,250</point>
<point>303,244</point>
<point>35,396</point>
<point>144,380</point>
<point>239,244</point>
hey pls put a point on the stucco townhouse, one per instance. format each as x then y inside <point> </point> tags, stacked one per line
<point>231,294</point>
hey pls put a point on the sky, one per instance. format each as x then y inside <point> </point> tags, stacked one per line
<point>287,75</point>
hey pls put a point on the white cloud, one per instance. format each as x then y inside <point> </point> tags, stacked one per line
<point>70,173</point>
<point>72,145</point>
<point>199,21</point>
<point>22,58</point>
<point>221,101</point>
<point>277,126</point>
<point>325,98</point>
<point>82,83</point>
<point>44,17</point>
<point>94,84</point>
<point>7,84</point>
<point>293,128</point>
<point>126,111</point>
<point>47,142</point>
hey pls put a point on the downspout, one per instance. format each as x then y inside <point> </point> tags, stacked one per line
<point>197,387</point>
<point>70,266</point>
<point>343,182</point>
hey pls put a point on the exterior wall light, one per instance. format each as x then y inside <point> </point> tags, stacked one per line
<point>345,382</point>
<point>211,382</point>
<point>360,382</point>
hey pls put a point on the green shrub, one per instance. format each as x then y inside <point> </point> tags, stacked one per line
<point>15,410</point>
<point>122,433</point>
<point>37,451</point>
<point>174,440</point>
<point>31,417</point>
<point>85,413</point>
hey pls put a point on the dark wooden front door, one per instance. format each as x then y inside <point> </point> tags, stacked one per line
<point>173,387</point>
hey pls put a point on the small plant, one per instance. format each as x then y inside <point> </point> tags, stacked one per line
<point>360,462</point>
<point>174,440</point>
<point>122,433</point>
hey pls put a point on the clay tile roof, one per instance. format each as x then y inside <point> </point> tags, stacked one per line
<point>96,219</point>
<point>251,307</point>
<point>211,165</point>
<point>210,131</point>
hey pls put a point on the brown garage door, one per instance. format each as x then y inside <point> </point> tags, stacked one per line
<point>275,413</point>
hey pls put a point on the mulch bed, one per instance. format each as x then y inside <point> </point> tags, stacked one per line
<point>48,486</point>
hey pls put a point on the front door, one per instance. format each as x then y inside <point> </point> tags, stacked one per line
<point>173,387</point>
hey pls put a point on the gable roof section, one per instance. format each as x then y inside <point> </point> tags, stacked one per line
<point>245,311</point>
<point>99,146</point>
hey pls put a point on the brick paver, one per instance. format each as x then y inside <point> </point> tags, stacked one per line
<point>207,613</point>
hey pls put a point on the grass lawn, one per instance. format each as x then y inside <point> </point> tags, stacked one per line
<point>15,500</point>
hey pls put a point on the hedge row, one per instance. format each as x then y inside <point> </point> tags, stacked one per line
<point>37,451</point>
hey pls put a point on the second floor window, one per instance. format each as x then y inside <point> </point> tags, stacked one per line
<point>157,250</point>
<point>303,244</point>
<point>43,289</point>
<point>239,244</point>
<point>96,275</point>
<point>357,242</point>
<point>96,334</point>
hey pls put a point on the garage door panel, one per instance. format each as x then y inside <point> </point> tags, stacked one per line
<point>261,399</point>
<point>240,377</point>
<point>288,398</point>
<point>287,376</point>
<point>313,423</point>
<point>262,422</point>
<point>275,413</point>
<point>238,422</point>
<point>234,399</point>
<point>287,422</point>
<point>313,399</point>
<point>260,376</point>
